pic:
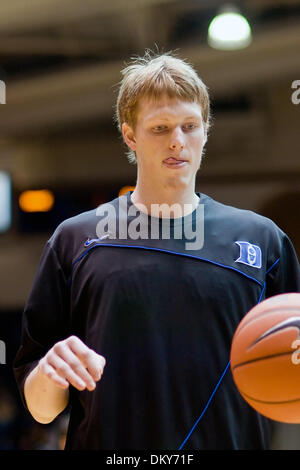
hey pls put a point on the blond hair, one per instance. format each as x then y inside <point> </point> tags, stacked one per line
<point>153,76</point>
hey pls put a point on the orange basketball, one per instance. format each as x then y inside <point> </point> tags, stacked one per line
<point>265,357</point>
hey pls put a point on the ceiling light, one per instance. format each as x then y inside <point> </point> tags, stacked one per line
<point>229,30</point>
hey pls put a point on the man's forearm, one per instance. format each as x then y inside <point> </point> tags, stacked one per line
<point>45,399</point>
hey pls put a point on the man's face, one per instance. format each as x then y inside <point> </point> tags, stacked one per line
<point>168,141</point>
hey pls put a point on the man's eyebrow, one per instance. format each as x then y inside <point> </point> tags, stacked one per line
<point>162,118</point>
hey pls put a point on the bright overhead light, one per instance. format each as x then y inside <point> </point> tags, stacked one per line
<point>229,30</point>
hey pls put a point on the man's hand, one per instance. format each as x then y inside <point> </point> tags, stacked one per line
<point>71,362</point>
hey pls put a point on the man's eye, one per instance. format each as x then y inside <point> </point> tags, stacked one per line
<point>159,128</point>
<point>190,126</point>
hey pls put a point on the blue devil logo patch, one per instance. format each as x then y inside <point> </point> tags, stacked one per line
<point>249,254</point>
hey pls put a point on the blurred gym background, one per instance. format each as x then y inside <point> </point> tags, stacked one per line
<point>61,154</point>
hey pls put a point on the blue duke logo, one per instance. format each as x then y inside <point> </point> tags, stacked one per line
<point>249,254</point>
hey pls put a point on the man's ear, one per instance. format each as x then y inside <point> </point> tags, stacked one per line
<point>128,136</point>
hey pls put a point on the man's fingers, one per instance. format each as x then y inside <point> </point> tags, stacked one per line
<point>64,371</point>
<point>52,375</point>
<point>92,361</point>
<point>71,362</point>
<point>67,355</point>
<point>96,365</point>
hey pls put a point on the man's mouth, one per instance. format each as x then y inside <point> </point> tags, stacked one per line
<point>173,162</point>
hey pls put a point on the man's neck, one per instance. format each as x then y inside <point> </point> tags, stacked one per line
<point>171,203</point>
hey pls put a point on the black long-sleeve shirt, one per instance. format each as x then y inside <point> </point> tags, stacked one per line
<point>163,316</point>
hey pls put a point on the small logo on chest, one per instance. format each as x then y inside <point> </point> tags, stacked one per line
<point>89,241</point>
<point>249,254</point>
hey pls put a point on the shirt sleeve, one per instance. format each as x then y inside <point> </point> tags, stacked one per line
<point>45,317</point>
<point>283,275</point>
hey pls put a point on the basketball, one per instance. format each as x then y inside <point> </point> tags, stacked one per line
<point>265,357</point>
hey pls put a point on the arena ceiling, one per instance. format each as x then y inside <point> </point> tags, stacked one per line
<point>64,56</point>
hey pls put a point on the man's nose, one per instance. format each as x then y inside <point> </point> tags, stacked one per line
<point>177,140</point>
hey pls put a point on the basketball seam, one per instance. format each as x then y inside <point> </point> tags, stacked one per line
<point>270,356</point>
<point>271,402</point>
<point>292,309</point>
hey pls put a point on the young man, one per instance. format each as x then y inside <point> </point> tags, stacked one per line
<point>158,311</point>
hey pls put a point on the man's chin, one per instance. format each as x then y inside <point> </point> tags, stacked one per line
<point>178,182</point>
